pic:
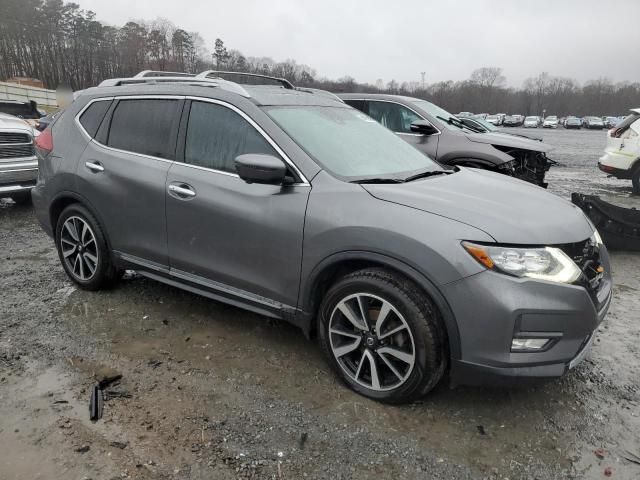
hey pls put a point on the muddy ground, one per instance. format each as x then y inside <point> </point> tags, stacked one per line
<point>209,391</point>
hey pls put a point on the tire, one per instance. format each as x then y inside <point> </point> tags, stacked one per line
<point>89,266</point>
<point>22,198</point>
<point>411,315</point>
<point>635,180</point>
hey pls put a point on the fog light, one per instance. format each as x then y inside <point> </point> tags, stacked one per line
<point>529,344</point>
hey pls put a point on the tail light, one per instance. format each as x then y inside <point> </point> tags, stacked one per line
<point>44,142</point>
<point>612,132</point>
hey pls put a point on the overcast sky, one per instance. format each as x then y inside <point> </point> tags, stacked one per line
<point>581,39</point>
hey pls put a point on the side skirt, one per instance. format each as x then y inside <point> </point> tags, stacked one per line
<point>210,289</point>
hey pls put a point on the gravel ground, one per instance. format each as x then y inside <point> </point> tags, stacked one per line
<point>210,391</point>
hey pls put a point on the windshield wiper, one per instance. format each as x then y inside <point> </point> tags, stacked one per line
<point>430,173</point>
<point>378,180</point>
<point>459,123</point>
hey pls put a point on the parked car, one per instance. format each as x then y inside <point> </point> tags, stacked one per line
<point>531,122</point>
<point>450,141</point>
<point>423,271</point>
<point>27,111</point>
<point>513,121</point>
<point>494,119</point>
<point>18,162</point>
<point>592,123</point>
<point>622,154</point>
<point>611,122</point>
<point>550,122</point>
<point>464,114</point>
<point>573,123</point>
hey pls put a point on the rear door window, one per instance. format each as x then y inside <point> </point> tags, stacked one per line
<point>146,126</point>
<point>92,116</point>
<point>216,135</point>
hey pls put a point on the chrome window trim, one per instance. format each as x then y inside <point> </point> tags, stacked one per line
<point>402,105</point>
<point>285,157</point>
<point>260,130</point>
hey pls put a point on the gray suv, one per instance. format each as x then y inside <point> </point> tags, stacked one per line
<point>455,141</point>
<point>294,205</point>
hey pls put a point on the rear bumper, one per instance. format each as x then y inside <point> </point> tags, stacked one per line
<point>491,308</point>
<point>18,170</point>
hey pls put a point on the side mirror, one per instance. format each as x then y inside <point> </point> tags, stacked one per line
<point>259,168</point>
<point>424,127</point>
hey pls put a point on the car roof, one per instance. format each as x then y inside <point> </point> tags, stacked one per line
<point>379,96</point>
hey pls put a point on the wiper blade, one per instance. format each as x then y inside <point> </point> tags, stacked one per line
<point>427,174</point>
<point>461,124</point>
<point>378,180</point>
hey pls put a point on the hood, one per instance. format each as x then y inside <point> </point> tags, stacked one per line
<point>9,122</point>
<point>507,140</point>
<point>509,210</point>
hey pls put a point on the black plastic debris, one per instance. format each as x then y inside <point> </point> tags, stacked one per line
<point>619,227</point>
<point>96,404</point>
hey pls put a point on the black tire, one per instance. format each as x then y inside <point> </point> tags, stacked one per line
<point>105,274</point>
<point>635,180</point>
<point>22,198</point>
<point>421,317</point>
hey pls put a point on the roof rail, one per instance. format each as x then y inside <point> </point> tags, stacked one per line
<point>214,73</point>
<point>192,80</point>
<point>159,73</point>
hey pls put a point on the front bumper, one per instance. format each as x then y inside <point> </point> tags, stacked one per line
<point>491,308</point>
<point>17,175</point>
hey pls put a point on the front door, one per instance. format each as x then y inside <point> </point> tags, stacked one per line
<point>224,233</point>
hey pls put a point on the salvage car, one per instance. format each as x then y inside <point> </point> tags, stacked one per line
<point>18,162</point>
<point>531,122</point>
<point>593,123</point>
<point>513,121</point>
<point>621,157</point>
<point>318,215</point>
<point>494,119</point>
<point>550,122</point>
<point>453,141</point>
<point>573,123</point>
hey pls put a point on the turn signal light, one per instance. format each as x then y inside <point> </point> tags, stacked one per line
<point>479,254</point>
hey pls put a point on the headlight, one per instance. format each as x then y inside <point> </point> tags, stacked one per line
<point>596,238</point>
<point>544,263</point>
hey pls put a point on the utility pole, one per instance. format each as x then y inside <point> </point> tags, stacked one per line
<point>423,74</point>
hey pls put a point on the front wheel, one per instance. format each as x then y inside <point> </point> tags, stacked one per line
<point>382,336</point>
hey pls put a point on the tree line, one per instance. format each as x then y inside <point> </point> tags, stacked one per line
<point>59,43</point>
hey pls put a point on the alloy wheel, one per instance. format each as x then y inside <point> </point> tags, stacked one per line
<point>79,248</point>
<point>371,341</point>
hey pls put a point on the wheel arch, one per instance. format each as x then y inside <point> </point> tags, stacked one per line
<point>66,198</point>
<point>337,265</point>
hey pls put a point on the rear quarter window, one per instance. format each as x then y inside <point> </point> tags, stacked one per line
<point>92,117</point>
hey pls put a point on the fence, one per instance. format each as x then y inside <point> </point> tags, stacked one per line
<point>46,99</point>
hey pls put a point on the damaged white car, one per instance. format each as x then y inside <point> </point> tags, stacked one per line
<point>621,157</point>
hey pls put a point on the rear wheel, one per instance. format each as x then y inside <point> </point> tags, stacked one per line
<point>22,198</point>
<point>83,250</point>
<point>382,336</point>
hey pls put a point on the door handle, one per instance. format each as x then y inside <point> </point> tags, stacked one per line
<point>94,167</point>
<point>182,190</point>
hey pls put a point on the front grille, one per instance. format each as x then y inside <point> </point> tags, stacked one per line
<point>9,137</point>
<point>16,151</point>
<point>587,256</point>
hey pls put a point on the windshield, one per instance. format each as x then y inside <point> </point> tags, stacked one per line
<point>350,144</point>
<point>552,119</point>
<point>531,119</point>
<point>437,112</point>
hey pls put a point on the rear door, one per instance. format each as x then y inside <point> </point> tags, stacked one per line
<point>242,239</point>
<point>123,173</point>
